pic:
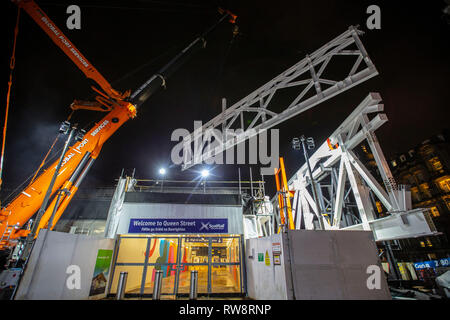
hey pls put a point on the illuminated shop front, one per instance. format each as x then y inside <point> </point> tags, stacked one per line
<point>204,234</point>
<point>217,259</point>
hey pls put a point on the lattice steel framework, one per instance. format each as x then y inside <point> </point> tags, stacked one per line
<point>314,87</point>
<point>339,173</point>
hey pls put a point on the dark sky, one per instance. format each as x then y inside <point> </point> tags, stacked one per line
<point>411,53</point>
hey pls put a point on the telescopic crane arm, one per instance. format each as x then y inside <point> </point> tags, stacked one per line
<point>79,158</point>
<point>58,37</point>
<point>139,96</point>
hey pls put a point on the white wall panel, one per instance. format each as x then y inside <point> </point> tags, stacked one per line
<point>45,276</point>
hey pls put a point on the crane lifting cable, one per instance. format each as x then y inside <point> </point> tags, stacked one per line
<point>8,94</point>
<point>49,151</point>
<point>158,80</point>
<point>29,181</point>
<point>224,58</point>
<point>45,159</point>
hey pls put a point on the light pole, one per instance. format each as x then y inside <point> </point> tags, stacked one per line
<point>64,129</point>
<point>204,174</point>
<point>298,144</point>
<point>79,134</point>
<point>29,241</point>
<point>162,173</point>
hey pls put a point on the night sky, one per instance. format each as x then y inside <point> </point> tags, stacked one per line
<point>127,41</point>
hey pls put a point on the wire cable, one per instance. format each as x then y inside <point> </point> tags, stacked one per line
<point>11,67</point>
<point>31,176</point>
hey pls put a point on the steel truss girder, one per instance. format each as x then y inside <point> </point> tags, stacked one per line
<point>259,101</point>
<point>402,222</point>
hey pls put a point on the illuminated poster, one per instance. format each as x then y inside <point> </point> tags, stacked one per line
<point>101,272</point>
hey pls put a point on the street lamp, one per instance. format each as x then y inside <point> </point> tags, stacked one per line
<point>162,172</point>
<point>298,144</point>
<point>204,174</point>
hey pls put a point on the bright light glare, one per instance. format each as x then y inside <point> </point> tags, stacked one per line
<point>162,171</point>
<point>205,173</point>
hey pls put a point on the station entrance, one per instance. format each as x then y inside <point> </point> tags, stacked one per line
<point>218,260</point>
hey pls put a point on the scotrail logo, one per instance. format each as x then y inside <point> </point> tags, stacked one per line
<point>208,226</point>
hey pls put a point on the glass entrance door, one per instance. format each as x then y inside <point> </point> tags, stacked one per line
<point>195,252</point>
<point>216,258</point>
<point>225,267</point>
<point>162,255</point>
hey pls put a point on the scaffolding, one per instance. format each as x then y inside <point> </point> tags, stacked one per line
<point>257,210</point>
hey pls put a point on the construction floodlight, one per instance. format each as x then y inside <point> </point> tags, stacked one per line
<point>65,127</point>
<point>205,173</point>
<point>310,143</point>
<point>162,171</point>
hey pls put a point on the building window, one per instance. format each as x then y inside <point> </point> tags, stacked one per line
<point>447,202</point>
<point>364,148</point>
<point>420,175</point>
<point>425,189</point>
<point>434,211</point>
<point>444,183</point>
<point>407,179</point>
<point>435,164</point>
<point>379,207</point>
<point>415,194</point>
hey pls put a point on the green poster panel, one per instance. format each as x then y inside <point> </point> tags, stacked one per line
<point>101,272</point>
<point>260,257</point>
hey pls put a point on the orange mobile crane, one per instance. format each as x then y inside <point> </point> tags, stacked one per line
<point>79,158</point>
<point>284,198</point>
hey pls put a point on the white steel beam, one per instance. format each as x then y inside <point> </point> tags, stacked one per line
<point>409,224</point>
<point>353,177</point>
<point>359,192</point>
<point>339,194</point>
<point>370,180</point>
<point>259,102</point>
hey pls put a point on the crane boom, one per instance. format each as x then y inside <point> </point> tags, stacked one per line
<point>23,207</point>
<point>66,46</point>
<point>140,95</point>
